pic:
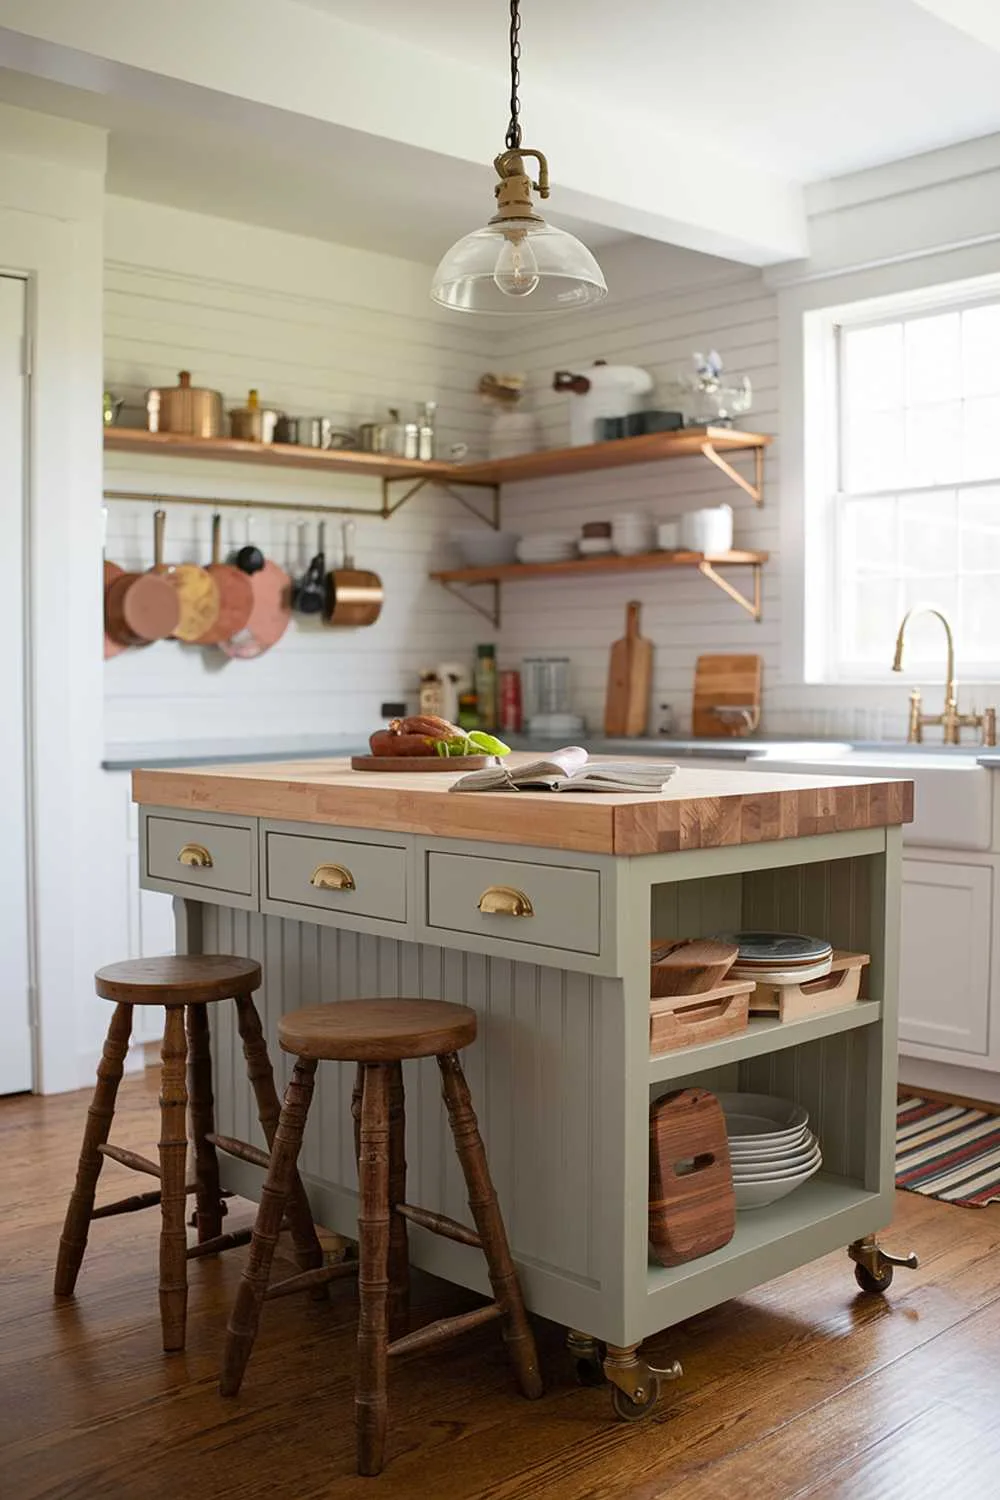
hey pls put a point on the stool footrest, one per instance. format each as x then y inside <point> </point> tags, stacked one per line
<point>439,1224</point>
<point>132,1205</point>
<point>306,1279</point>
<point>444,1328</point>
<point>220,1242</point>
<point>241,1149</point>
<point>130,1159</point>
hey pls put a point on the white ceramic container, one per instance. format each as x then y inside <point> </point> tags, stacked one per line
<point>668,535</point>
<point>709,530</point>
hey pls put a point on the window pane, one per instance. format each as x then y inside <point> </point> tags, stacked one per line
<point>981,351</point>
<point>933,443</point>
<point>873,367</point>
<point>925,640</point>
<point>979,631</point>
<point>868,538</point>
<point>871,618</point>
<point>874,451</point>
<point>981,438</point>
<point>932,354</point>
<point>979,518</point>
<point>928,535</point>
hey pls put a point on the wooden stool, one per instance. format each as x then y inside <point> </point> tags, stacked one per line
<point>184,986</point>
<point>378,1035</point>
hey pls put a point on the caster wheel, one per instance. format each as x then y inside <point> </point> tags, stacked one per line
<point>636,1411</point>
<point>876,1285</point>
<point>590,1372</point>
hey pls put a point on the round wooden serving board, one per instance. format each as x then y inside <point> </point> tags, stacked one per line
<point>421,762</point>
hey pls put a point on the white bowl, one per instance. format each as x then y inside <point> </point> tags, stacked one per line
<point>776,1153</point>
<point>486,548</point>
<point>776,1166</point>
<point>595,546</point>
<point>760,1194</point>
<point>777,1116</point>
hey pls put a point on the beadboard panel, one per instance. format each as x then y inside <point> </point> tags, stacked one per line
<point>683,614</point>
<point>322,340</point>
<point>553,1032</point>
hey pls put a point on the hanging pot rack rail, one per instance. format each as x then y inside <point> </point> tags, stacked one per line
<point>388,508</point>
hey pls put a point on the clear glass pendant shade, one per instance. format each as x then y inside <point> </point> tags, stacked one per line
<point>518,266</point>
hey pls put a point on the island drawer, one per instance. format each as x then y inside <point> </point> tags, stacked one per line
<point>548,906</point>
<point>342,875</point>
<point>212,856</point>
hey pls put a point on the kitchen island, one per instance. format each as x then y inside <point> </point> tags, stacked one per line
<point>538,911</point>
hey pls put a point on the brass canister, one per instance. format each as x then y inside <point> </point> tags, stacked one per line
<point>184,408</point>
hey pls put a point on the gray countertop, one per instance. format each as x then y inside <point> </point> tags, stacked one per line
<point>163,754</point>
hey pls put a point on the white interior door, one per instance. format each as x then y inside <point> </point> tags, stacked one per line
<point>15,1054</point>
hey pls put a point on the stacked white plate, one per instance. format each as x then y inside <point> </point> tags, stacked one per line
<point>547,546</point>
<point>771,1148</point>
<point>779,957</point>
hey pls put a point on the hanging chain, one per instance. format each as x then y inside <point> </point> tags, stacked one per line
<point>514,128</point>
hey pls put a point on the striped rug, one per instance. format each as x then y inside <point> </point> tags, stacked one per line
<point>948,1151</point>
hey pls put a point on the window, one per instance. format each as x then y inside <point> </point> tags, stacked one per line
<point>912,485</point>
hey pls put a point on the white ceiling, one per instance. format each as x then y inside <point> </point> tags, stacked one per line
<point>693,123</point>
<point>367,197</point>
<point>808,88</point>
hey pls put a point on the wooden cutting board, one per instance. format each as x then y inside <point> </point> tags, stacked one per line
<point>692,1206</point>
<point>630,674</point>
<point>729,681</point>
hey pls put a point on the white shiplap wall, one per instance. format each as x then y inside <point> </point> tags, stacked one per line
<point>693,303</point>
<point>317,328</point>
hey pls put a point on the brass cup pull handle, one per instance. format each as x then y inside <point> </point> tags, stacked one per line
<point>505,901</point>
<point>197,856</point>
<point>332,878</point>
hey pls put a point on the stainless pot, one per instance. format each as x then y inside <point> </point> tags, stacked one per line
<point>184,408</point>
<point>253,423</point>
<point>393,437</point>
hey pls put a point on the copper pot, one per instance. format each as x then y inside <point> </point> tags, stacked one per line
<point>185,408</point>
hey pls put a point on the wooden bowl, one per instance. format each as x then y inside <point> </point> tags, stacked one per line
<point>689,966</point>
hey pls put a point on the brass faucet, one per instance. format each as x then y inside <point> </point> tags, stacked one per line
<point>951,721</point>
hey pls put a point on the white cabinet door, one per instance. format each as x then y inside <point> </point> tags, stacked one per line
<point>15,1054</point>
<point>945,956</point>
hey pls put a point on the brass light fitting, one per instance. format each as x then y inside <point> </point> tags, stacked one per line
<point>517,262</point>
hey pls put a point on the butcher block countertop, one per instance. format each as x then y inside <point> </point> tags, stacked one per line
<point>700,809</point>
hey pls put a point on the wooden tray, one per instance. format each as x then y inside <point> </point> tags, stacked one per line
<point>689,965</point>
<point>421,762</point>
<point>789,1002</point>
<point>685,1020</point>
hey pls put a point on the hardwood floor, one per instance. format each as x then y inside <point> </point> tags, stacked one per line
<point>804,1389</point>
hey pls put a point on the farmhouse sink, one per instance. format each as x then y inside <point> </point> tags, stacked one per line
<point>953,793</point>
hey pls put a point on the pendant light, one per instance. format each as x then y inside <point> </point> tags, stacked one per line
<point>517,263</point>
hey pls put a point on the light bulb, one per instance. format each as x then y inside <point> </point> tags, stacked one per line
<point>516,271</point>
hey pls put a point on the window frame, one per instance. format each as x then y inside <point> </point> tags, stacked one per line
<point>827,465</point>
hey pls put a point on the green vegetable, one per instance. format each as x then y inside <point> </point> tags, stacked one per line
<point>476,743</point>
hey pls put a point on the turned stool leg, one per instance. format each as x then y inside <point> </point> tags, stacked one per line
<point>489,1222</point>
<point>208,1190</point>
<point>173,1170</point>
<point>373,1269</point>
<point>308,1251</point>
<point>281,1175</point>
<point>399,1257</point>
<point>73,1241</point>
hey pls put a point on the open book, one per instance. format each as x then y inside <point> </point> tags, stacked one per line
<point>570,770</point>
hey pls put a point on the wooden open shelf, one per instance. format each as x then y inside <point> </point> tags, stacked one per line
<point>273,455</point>
<point>707,564</point>
<point>711,442</point>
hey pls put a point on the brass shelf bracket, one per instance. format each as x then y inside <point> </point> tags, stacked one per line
<point>489,518</point>
<point>752,606</point>
<point>755,490</point>
<point>491,614</point>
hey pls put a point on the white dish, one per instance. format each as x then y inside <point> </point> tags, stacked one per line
<point>595,546</point>
<point>804,974</point>
<point>780,1166</point>
<point>760,1194</point>
<point>486,549</point>
<point>785,1115</point>
<point>782,1151</point>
